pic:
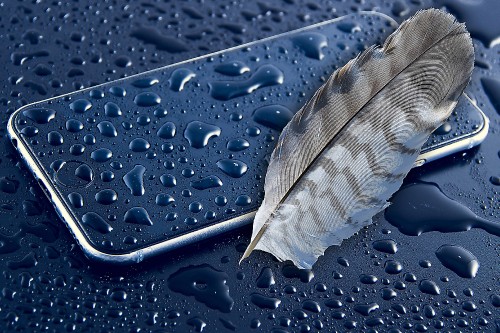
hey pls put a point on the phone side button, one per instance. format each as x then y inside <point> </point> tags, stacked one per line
<point>419,163</point>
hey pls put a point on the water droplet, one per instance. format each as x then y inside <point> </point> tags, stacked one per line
<point>179,78</point>
<point>312,44</point>
<point>101,155</point>
<point>164,199</point>
<point>75,199</point>
<point>168,180</point>
<point>198,133</point>
<point>429,287</point>
<point>167,130</point>
<point>265,302</point>
<point>393,267</point>
<point>233,68</point>
<point>366,309</point>
<point>134,180</point>
<point>237,144</point>
<point>106,197</point>
<point>205,283</point>
<point>112,110</point>
<point>145,82</point>
<point>80,105</point>
<point>137,215</point>
<point>84,172</point>
<point>107,129</point>
<point>139,145</point>
<point>206,183</point>
<point>264,76</point>
<point>96,222</point>
<point>385,245</point>
<point>146,99</point>
<point>74,125</point>
<point>55,138</point>
<point>232,168</point>
<point>274,116</point>
<point>266,278</point>
<point>459,260</point>
<point>40,115</point>
<point>150,35</point>
<point>118,91</point>
<point>243,200</point>
<point>422,207</point>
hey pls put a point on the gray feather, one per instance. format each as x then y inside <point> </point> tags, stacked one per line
<point>348,149</point>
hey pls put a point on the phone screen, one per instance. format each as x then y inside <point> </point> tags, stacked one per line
<point>164,158</point>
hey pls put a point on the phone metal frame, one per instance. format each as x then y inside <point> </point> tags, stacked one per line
<point>461,143</point>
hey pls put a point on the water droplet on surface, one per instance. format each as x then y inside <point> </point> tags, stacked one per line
<point>206,183</point>
<point>266,278</point>
<point>112,110</point>
<point>264,76</point>
<point>96,222</point>
<point>233,68</point>
<point>311,43</point>
<point>134,180</point>
<point>385,245</point>
<point>167,130</point>
<point>366,309</point>
<point>137,215</point>
<point>422,207</point>
<point>75,199</point>
<point>232,168</point>
<point>198,133</point>
<point>164,199</point>
<point>74,125</point>
<point>150,35</point>
<point>106,197</point>
<point>459,260</point>
<point>80,105</point>
<point>237,145</point>
<point>265,302</point>
<point>101,155</point>
<point>107,129</point>
<point>205,283</point>
<point>168,180</point>
<point>139,145</point>
<point>273,116</point>
<point>146,99</point>
<point>40,115</point>
<point>429,287</point>
<point>55,138</point>
<point>145,82</point>
<point>179,78</point>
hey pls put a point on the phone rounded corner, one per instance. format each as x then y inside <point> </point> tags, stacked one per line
<point>98,255</point>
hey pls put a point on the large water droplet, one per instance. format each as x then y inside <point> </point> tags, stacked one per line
<point>134,180</point>
<point>198,133</point>
<point>459,260</point>
<point>40,115</point>
<point>233,68</point>
<point>312,44</point>
<point>96,222</point>
<point>80,105</point>
<point>112,110</point>
<point>107,129</point>
<point>167,130</point>
<point>139,145</point>
<point>137,215</point>
<point>179,78</point>
<point>206,183</point>
<point>146,99</point>
<point>273,116</point>
<point>106,197</point>
<point>101,155</point>
<point>232,168</point>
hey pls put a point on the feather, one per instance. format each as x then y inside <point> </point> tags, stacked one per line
<point>344,154</point>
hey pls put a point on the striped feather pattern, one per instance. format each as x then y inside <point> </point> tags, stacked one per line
<point>348,149</point>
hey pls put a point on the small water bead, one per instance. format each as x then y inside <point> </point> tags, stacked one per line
<point>206,183</point>
<point>243,200</point>
<point>134,180</point>
<point>127,125</point>
<point>123,61</point>
<point>163,199</point>
<point>190,221</point>
<point>101,155</point>
<point>311,43</point>
<point>143,120</point>
<point>429,287</point>
<point>186,193</point>
<point>264,76</point>
<point>171,216</point>
<point>195,207</point>
<point>96,222</point>
<point>29,131</point>
<point>137,215</point>
<point>343,261</point>
<point>232,168</point>
<point>385,245</point>
<point>116,165</point>
<point>112,110</point>
<point>77,149</point>
<point>167,148</point>
<point>75,199</point>
<point>237,144</point>
<point>495,180</point>
<point>106,197</point>
<point>118,91</point>
<point>146,99</point>
<point>198,133</point>
<point>80,105</point>
<point>368,279</point>
<point>40,115</point>
<point>265,302</point>
<point>393,267</point>
<point>188,173</point>
<point>220,200</point>
<point>425,263</point>
<point>107,176</point>
<point>233,68</point>
<point>145,82</point>
<point>210,215</point>
<point>366,309</point>
<point>89,139</point>
<point>167,130</point>
<point>139,145</point>
<point>253,131</point>
<point>273,116</point>
<point>55,138</point>
<point>96,94</point>
<point>388,294</point>
<point>160,112</point>
<point>459,260</point>
<point>74,125</point>
<point>107,129</point>
<point>168,180</point>
<point>179,78</point>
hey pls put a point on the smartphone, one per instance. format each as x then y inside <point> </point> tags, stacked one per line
<point>162,159</point>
